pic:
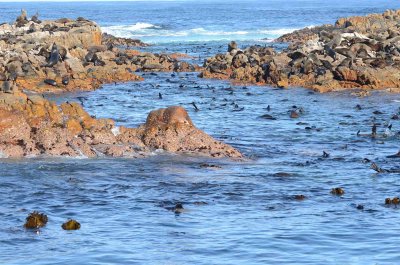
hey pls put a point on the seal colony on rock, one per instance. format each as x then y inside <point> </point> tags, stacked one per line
<point>32,51</point>
<point>356,52</point>
<point>66,55</point>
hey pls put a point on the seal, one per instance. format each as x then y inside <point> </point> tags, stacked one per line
<point>65,80</point>
<point>195,106</point>
<point>3,76</point>
<point>336,41</point>
<point>345,52</point>
<point>32,28</point>
<point>330,52</point>
<point>345,63</point>
<point>373,130</point>
<point>21,19</point>
<point>308,66</point>
<point>63,52</point>
<point>397,155</point>
<point>7,87</point>
<point>90,57</point>
<point>50,82</point>
<point>35,18</point>
<point>54,56</point>
<point>179,208</point>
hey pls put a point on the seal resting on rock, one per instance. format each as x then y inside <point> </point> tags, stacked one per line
<point>54,56</point>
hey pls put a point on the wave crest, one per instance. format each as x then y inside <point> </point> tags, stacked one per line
<point>153,33</point>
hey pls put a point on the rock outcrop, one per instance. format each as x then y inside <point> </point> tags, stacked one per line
<point>34,126</point>
<point>65,55</point>
<point>356,52</point>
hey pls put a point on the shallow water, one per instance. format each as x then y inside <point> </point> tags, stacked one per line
<point>242,213</point>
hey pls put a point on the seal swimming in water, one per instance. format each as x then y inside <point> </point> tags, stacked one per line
<point>373,130</point>
<point>397,155</point>
<point>195,106</point>
<point>378,169</point>
<point>325,154</point>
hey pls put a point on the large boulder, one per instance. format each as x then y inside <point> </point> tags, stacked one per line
<point>172,129</point>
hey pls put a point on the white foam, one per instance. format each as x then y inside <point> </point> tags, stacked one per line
<point>128,30</point>
<point>277,32</point>
<point>150,32</point>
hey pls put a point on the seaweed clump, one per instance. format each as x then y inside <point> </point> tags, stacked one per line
<point>71,225</point>
<point>35,220</point>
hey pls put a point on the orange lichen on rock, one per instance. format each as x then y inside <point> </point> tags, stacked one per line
<point>32,125</point>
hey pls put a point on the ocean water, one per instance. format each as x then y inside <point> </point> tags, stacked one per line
<point>243,212</point>
<point>202,21</point>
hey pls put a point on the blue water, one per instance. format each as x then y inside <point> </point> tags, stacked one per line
<point>242,213</point>
<point>183,21</point>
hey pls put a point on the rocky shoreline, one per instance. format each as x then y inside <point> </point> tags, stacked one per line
<point>356,52</point>
<point>69,55</point>
<point>74,55</point>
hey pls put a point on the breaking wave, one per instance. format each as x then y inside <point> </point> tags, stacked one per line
<point>156,33</point>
